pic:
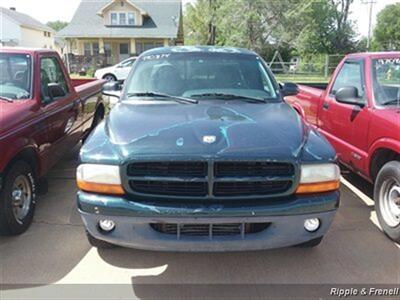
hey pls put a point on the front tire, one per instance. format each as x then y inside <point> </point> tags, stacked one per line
<point>98,117</point>
<point>17,199</point>
<point>387,199</point>
<point>110,77</point>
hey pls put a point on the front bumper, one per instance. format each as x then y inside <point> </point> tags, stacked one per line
<point>132,220</point>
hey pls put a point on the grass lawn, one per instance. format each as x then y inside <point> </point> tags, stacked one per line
<point>303,78</point>
<point>77,76</point>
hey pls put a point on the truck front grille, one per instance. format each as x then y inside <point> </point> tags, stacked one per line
<point>228,189</point>
<point>168,169</point>
<point>170,188</point>
<point>211,180</point>
<point>256,168</point>
<point>209,230</point>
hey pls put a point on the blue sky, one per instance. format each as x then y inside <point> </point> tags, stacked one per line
<point>49,10</point>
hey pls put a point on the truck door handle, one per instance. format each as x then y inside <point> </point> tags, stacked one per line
<point>325,105</point>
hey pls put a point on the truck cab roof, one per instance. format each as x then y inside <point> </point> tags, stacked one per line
<point>25,50</point>
<point>198,49</point>
<point>373,54</point>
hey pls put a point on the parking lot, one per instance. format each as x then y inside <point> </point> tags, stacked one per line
<point>55,250</point>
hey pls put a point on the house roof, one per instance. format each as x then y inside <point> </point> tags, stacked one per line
<point>104,8</point>
<point>24,20</point>
<point>162,21</point>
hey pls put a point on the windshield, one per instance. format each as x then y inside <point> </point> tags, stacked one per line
<point>202,76</point>
<point>15,76</point>
<point>386,80</point>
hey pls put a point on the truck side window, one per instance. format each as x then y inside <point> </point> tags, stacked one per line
<point>51,72</point>
<point>351,74</point>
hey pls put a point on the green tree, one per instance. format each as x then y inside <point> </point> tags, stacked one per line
<point>317,26</point>
<point>242,23</point>
<point>200,22</point>
<point>57,25</point>
<point>387,29</point>
<point>326,28</point>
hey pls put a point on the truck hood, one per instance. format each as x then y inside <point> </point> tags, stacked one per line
<point>208,129</point>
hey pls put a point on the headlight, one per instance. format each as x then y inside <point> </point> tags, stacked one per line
<point>104,179</point>
<point>319,178</point>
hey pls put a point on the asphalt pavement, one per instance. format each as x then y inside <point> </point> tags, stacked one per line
<point>55,250</point>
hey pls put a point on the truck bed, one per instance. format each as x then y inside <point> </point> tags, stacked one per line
<point>306,102</point>
<point>319,86</point>
<point>87,87</point>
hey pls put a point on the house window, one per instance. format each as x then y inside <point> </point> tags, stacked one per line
<point>139,47</point>
<point>95,47</point>
<point>114,19</point>
<point>107,49</point>
<point>131,19</point>
<point>142,46</point>
<point>90,49</point>
<point>87,49</point>
<point>122,18</point>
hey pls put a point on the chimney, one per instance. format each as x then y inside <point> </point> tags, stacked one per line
<point>13,8</point>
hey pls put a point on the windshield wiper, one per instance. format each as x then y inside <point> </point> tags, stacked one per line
<point>393,101</point>
<point>155,94</point>
<point>6,99</point>
<point>231,97</point>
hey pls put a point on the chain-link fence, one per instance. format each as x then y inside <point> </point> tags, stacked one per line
<point>314,70</point>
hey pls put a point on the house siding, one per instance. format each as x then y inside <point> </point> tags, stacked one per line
<point>10,32</point>
<point>35,38</point>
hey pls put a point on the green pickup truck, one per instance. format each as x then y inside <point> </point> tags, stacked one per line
<point>201,153</point>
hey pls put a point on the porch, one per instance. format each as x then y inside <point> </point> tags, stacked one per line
<point>112,50</point>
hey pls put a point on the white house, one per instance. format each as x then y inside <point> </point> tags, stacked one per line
<point>119,29</point>
<point>18,29</point>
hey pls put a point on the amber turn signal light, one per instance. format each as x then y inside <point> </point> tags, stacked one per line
<point>101,188</point>
<point>318,187</point>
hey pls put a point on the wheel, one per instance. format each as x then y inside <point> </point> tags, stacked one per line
<point>110,77</point>
<point>98,243</point>
<point>387,199</point>
<point>17,199</point>
<point>311,244</point>
<point>42,186</point>
<point>98,117</point>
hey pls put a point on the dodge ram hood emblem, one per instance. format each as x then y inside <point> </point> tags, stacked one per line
<point>209,139</point>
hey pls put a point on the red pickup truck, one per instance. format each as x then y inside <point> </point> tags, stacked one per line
<point>43,114</point>
<point>359,113</point>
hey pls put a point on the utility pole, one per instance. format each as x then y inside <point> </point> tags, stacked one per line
<point>211,24</point>
<point>371,4</point>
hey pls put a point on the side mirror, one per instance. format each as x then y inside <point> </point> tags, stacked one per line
<point>349,95</point>
<point>112,89</point>
<point>55,90</point>
<point>289,89</point>
<point>112,86</point>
